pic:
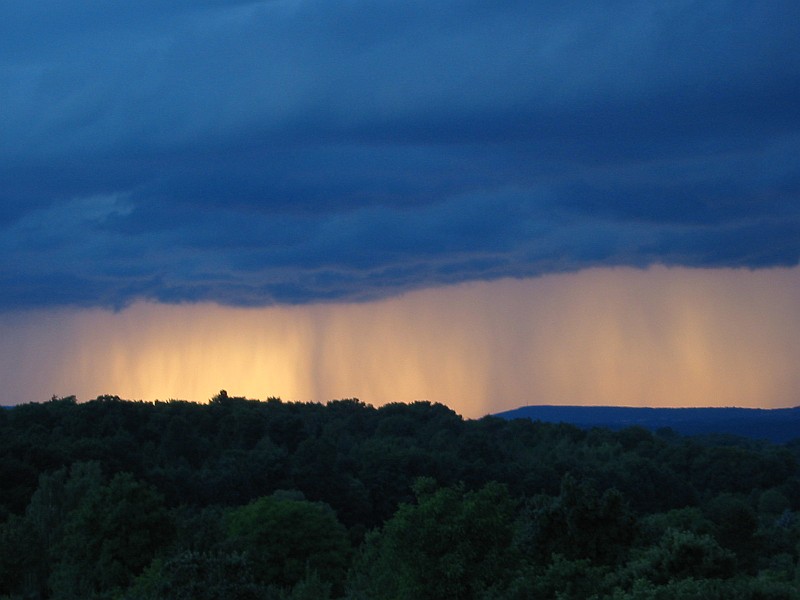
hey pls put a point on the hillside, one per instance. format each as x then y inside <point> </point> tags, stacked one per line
<point>776,425</point>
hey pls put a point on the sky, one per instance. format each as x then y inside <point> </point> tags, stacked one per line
<point>484,204</point>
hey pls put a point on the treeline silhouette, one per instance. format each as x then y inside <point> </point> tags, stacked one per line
<point>246,499</point>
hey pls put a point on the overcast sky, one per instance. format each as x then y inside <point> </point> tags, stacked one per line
<point>290,151</point>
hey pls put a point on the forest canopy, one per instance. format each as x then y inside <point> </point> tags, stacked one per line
<point>250,499</point>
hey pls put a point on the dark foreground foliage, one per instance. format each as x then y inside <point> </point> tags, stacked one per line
<point>242,499</point>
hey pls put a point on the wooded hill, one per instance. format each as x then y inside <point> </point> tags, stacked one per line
<point>273,500</point>
<point>776,425</point>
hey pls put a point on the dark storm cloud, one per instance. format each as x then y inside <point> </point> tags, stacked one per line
<point>289,151</point>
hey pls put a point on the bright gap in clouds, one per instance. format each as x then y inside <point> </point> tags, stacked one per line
<point>656,337</point>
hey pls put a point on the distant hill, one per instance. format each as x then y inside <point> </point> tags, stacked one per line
<point>776,425</point>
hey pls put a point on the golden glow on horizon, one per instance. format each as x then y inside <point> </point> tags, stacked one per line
<point>656,337</point>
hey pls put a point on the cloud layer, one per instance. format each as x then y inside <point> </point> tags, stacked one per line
<point>291,151</point>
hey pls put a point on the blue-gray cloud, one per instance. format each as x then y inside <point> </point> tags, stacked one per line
<point>292,151</point>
